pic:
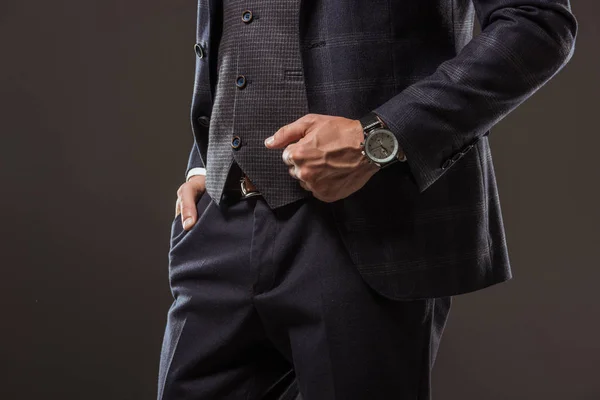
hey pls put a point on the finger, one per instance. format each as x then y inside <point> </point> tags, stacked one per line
<point>287,156</point>
<point>288,134</point>
<point>198,186</point>
<point>177,207</point>
<point>292,172</point>
<point>295,172</point>
<point>187,194</point>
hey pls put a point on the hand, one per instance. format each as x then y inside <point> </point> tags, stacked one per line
<point>323,152</point>
<point>187,197</point>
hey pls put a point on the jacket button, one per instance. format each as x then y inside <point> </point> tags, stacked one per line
<point>247,16</point>
<point>204,120</point>
<point>240,82</point>
<point>198,50</point>
<point>236,142</point>
<point>447,163</point>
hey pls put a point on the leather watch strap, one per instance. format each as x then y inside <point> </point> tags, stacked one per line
<point>370,121</point>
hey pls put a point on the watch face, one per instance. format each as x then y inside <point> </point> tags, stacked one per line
<point>381,146</point>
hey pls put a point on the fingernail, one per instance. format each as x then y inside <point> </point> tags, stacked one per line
<point>269,140</point>
<point>187,222</point>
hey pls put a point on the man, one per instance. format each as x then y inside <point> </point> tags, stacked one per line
<point>341,190</point>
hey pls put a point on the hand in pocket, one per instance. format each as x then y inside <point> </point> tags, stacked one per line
<point>187,198</point>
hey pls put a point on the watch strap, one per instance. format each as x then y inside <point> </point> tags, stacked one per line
<point>370,121</point>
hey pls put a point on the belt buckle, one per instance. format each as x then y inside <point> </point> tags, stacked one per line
<point>245,192</point>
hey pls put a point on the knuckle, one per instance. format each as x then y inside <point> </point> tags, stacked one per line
<point>198,191</point>
<point>307,174</point>
<point>297,153</point>
<point>281,133</point>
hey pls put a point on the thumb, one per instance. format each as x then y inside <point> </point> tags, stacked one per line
<point>188,194</point>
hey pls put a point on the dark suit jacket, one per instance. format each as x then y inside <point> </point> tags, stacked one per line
<point>432,226</point>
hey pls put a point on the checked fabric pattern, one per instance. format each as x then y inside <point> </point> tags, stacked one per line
<point>266,51</point>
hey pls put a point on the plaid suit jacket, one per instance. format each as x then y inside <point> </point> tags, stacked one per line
<point>432,226</point>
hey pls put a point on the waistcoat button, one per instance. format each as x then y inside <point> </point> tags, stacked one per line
<point>236,142</point>
<point>203,120</point>
<point>247,16</point>
<point>241,81</point>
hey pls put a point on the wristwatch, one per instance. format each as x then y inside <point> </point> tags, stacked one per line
<point>380,145</point>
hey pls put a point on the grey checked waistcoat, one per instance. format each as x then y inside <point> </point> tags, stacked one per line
<point>260,88</point>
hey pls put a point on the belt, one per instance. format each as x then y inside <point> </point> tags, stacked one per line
<point>238,185</point>
<point>247,187</point>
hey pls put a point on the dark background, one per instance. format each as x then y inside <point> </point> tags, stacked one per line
<point>94,106</point>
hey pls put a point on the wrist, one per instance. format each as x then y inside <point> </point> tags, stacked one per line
<point>194,172</point>
<point>401,155</point>
<point>383,124</point>
<point>365,162</point>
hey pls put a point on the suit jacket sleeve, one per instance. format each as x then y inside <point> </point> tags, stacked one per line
<point>522,44</point>
<point>194,160</point>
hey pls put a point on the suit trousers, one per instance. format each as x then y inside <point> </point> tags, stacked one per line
<point>267,303</point>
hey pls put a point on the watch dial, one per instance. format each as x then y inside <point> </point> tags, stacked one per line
<point>381,145</point>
